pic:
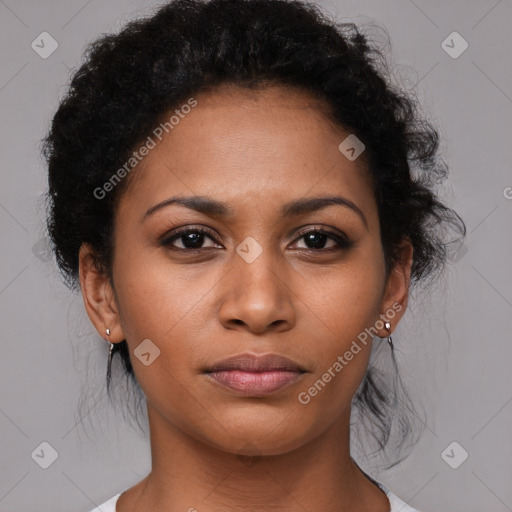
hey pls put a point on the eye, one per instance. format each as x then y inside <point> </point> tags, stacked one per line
<point>193,239</point>
<point>190,238</point>
<point>316,239</point>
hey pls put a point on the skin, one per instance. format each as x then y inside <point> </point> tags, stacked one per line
<point>254,151</point>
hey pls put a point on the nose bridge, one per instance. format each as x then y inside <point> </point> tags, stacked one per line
<point>257,270</point>
<point>256,294</point>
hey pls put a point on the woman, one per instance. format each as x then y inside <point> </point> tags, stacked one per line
<point>245,202</point>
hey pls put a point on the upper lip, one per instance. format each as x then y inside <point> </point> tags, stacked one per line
<point>252,362</point>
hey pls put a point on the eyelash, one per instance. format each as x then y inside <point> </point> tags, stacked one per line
<point>343,242</point>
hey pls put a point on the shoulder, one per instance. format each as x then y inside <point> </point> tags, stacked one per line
<point>397,504</point>
<point>108,506</point>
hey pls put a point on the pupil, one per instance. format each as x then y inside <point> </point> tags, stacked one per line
<point>317,239</point>
<point>193,239</point>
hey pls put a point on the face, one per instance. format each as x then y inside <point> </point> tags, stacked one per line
<point>203,283</point>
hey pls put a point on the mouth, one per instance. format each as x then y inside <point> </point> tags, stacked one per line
<point>255,375</point>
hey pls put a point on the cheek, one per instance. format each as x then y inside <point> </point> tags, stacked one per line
<point>342,308</point>
<point>160,302</point>
<point>167,304</point>
<point>346,299</point>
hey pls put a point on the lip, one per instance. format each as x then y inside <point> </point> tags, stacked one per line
<point>252,362</point>
<point>252,374</point>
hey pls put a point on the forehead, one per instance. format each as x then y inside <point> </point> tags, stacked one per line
<point>239,144</point>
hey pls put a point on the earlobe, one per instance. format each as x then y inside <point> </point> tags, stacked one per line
<point>98,295</point>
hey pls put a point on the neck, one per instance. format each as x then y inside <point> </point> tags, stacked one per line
<point>188,474</point>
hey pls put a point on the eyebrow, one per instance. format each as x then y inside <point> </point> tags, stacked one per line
<point>215,208</point>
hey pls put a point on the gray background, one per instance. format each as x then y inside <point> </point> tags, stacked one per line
<point>454,344</point>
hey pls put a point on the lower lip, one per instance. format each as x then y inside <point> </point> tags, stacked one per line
<point>255,383</point>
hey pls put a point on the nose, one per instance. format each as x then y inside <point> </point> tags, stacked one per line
<point>256,297</point>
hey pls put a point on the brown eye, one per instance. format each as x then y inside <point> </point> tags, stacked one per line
<point>192,239</point>
<point>316,239</point>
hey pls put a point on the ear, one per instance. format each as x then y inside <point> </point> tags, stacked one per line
<point>396,293</point>
<point>98,295</point>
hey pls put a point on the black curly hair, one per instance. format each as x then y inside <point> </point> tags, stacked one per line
<point>130,81</point>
